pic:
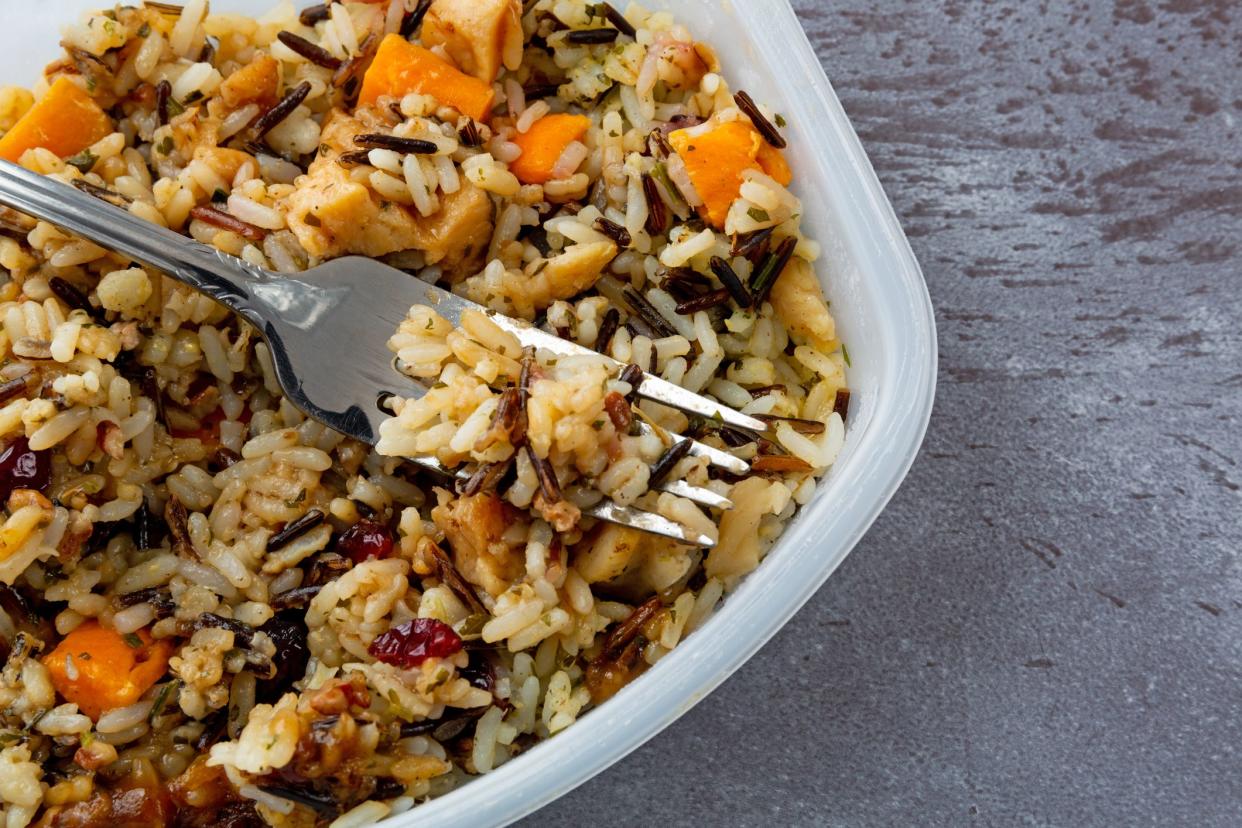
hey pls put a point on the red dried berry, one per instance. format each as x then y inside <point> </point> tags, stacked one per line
<point>21,468</point>
<point>410,644</point>
<point>365,540</point>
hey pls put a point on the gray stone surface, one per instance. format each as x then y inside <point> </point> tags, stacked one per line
<point>1045,627</point>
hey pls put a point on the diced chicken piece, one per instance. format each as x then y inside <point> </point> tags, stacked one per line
<point>564,276</point>
<point>193,129</point>
<point>479,35</point>
<point>737,551</point>
<point>223,161</point>
<point>607,553</point>
<point>570,273</point>
<point>332,215</point>
<point>799,302</point>
<point>457,236</point>
<point>474,527</point>
<point>258,82</point>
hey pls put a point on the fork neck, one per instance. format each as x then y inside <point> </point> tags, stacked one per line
<point>225,278</point>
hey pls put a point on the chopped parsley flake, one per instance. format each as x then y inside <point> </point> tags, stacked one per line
<point>84,161</point>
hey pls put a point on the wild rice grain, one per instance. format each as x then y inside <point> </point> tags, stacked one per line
<point>633,376</point>
<point>617,19</point>
<point>103,193</point>
<point>766,128</point>
<point>840,405</point>
<point>780,464</point>
<point>771,269</point>
<point>607,329</point>
<point>282,110</point>
<point>797,424</point>
<point>163,93</point>
<point>414,19</point>
<point>13,388</point>
<point>221,219</point>
<point>395,143</point>
<point>704,301</point>
<point>314,53</point>
<point>296,529</point>
<point>730,280</point>
<point>657,213</point>
<point>660,470</point>
<point>752,245</point>
<point>613,231</point>
<point>354,158</point>
<point>311,14</point>
<point>647,312</point>
<point>591,36</point>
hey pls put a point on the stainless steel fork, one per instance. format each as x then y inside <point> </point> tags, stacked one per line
<point>327,328</point>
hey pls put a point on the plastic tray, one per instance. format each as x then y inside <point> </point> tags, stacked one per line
<point>883,312</point>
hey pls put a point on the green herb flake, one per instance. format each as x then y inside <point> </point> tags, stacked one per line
<point>780,120</point>
<point>845,355</point>
<point>431,323</point>
<point>144,30</point>
<point>219,197</point>
<point>162,699</point>
<point>597,425</point>
<point>294,503</point>
<point>84,161</point>
<point>165,146</point>
<point>91,83</point>
<point>174,108</point>
<point>758,215</point>
<point>132,640</point>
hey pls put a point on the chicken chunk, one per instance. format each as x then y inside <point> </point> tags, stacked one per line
<point>563,276</point>
<point>474,527</point>
<point>607,552</point>
<point>799,302</point>
<point>738,550</point>
<point>479,35</point>
<point>456,237</point>
<point>332,215</point>
<point>258,82</point>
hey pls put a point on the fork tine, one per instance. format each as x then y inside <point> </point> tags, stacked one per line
<point>704,497</point>
<point>652,387</point>
<point>647,522</point>
<point>715,456</point>
<point>624,515</point>
<point>680,488</point>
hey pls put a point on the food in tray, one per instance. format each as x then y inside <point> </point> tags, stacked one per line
<point>215,611</point>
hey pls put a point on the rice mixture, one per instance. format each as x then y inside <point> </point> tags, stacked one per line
<point>214,611</point>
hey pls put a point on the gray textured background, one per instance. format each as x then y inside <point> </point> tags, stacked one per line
<point>1045,627</point>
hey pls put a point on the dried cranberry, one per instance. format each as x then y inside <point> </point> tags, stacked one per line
<point>365,540</point>
<point>21,468</point>
<point>412,643</point>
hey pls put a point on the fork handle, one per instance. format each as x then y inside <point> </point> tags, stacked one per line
<point>225,278</point>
